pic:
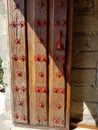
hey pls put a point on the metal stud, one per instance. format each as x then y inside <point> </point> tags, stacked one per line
<point>58,74</point>
<point>21,24</point>
<point>58,106</point>
<point>14,57</point>
<point>15,88</point>
<point>19,73</point>
<point>23,118</point>
<point>20,103</point>
<point>16,116</point>
<point>41,4</point>
<point>13,24</point>
<point>41,74</point>
<point>22,58</point>
<point>41,104</point>
<point>17,41</point>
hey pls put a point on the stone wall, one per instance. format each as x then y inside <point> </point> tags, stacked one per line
<point>84,97</point>
<point>4,54</point>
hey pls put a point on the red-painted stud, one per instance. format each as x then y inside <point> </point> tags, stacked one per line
<point>20,103</point>
<point>43,90</point>
<point>16,116</point>
<point>61,122</point>
<point>61,4</point>
<point>43,23</point>
<point>37,89</point>
<point>15,57</point>
<point>19,73</point>
<point>58,74</point>
<point>55,120</point>
<point>37,58</point>
<point>40,41</point>
<point>55,90</point>
<point>55,58</point>
<point>21,24</point>
<point>44,118</point>
<point>38,119</point>
<point>41,74</point>
<point>43,58</point>
<point>41,104</point>
<point>61,57</point>
<point>23,118</point>
<point>41,4</point>
<point>58,106</point>
<point>22,58</point>
<point>17,41</point>
<point>37,23</point>
<point>61,90</point>
<point>13,24</point>
<point>63,22</point>
<point>16,6</point>
<point>23,88</point>
<point>56,23</point>
<point>15,88</point>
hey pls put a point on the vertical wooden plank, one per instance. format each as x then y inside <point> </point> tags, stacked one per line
<point>68,60</point>
<point>57,47</point>
<point>17,43</point>
<point>37,52</point>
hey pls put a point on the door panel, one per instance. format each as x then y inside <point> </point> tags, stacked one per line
<point>40,38</point>
<point>18,59</point>
<point>37,43</point>
<point>57,47</point>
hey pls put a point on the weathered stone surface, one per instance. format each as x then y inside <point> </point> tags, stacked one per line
<point>86,23</point>
<point>84,59</point>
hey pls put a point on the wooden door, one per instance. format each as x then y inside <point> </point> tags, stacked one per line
<point>40,35</point>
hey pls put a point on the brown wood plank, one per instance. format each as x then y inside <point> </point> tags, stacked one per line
<point>57,47</point>
<point>17,43</point>
<point>37,49</point>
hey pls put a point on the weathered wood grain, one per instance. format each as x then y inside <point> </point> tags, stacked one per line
<point>16,15</point>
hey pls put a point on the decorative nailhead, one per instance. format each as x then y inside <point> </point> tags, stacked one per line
<point>58,57</point>
<point>61,4</point>
<point>20,103</point>
<point>59,90</point>
<point>23,118</point>
<point>17,41</point>
<point>41,104</point>
<point>41,58</point>
<point>22,58</point>
<point>23,88</point>
<point>59,47</point>
<point>58,121</point>
<point>21,24</point>
<point>59,22</point>
<point>63,22</point>
<point>44,118</point>
<point>38,119</point>
<point>40,41</point>
<point>40,89</point>
<point>14,57</point>
<point>58,106</point>
<point>16,6</point>
<point>40,23</point>
<point>41,74</point>
<point>41,4</point>
<point>15,88</point>
<point>16,116</point>
<point>43,23</point>
<point>13,24</point>
<point>58,74</point>
<point>19,73</point>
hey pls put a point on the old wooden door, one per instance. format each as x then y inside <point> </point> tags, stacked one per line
<point>40,47</point>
